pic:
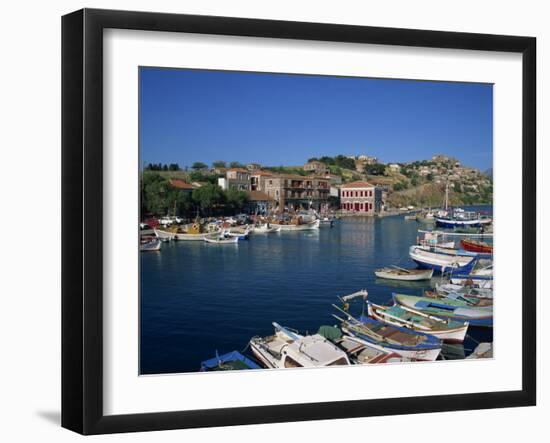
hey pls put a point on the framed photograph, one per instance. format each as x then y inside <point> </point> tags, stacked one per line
<point>268,221</point>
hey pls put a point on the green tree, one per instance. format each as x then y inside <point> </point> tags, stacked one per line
<point>154,192</point>
<point>219,164</point>
<point>375,169</point>
<point>199,166</point>
<point>235,200</point>
<point>208,198</point>
<point>236,165</point>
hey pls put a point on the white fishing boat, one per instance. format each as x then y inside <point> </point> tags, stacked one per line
<point>298,227</point>
<point>447,330</point>
<point>191,237</point>
<point>220,239</point>
<point>359,353</point>
<point>287,349</point>
<point>266,228</point>
<point>397,273</point>
<point>164,235</point>
<point>465,290</point>
<point>150,245</point>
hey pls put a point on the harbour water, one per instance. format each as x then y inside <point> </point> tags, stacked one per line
<point>198,298</point>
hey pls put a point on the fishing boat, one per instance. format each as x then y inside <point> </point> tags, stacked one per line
<point>476,246</point>
<point>447,330</point>
<point>458,218</point>
<point>220,239</point>
<point>441,261</point>
<point>288,349</point>
<point>192,232</point>
<point>480,277</point>
<point>475,281</point>
<point>266,228</point>
<point>164,234</point>
<point>465,290</point>
<point>407,343</point>
<point>460,309</point>
<point>149,244</point>
<point>397,273</point>
<point>231,361</point>
<point>358,352</point>
<point>240,234</point>
<point>297,226</point>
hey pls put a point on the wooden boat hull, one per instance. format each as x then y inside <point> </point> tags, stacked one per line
<point>445,309</point>
<point>225,241</point>
<point>474,246</point>
<point>428,350</point>
<point>450,335</point>
<point>190,237</point>
<point>164,235</point>
<point>302,227</point>
<point>413,275</point>
<point>450,223</point>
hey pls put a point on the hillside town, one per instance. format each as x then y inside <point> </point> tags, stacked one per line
<point>349,185</point>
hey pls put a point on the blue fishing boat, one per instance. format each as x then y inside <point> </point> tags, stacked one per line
<point>405,342</point>
<point>459,218</point>
<point>231,361</point>
<point>441,261</point>
<point>477,312</point>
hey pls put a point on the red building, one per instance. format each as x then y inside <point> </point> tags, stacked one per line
<point>360,197</point>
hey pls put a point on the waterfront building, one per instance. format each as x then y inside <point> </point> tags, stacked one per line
<point>360,197</point>
<point>257,180</point>
<point>316,167</point>
<point>235,178</point>
<point>296,191</point>
<point>260,203</point>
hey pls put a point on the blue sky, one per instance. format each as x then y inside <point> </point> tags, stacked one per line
<point>279,119</point>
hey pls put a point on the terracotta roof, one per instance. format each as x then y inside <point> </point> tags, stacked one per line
<point>262,173</point>
<point>180,184</point>
<point>238,170</point>
<point>259,196</point>
<point>358,184</point>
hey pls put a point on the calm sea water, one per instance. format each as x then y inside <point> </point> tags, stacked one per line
<point>197,298</point>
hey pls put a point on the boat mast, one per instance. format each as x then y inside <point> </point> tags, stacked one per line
<point>447,195</point>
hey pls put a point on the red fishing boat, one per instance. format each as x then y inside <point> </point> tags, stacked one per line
<point>476,246</point>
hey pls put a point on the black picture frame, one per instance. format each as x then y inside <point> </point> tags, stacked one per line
<point>82,215</point>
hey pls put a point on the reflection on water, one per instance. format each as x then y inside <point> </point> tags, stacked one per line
<point>197,298</point>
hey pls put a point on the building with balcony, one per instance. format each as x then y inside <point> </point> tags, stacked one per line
<point>360,197</point>
<point>257,180</point>
<point>298,192</point>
